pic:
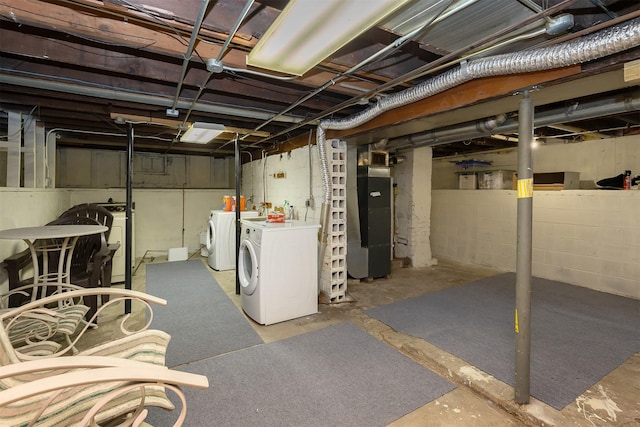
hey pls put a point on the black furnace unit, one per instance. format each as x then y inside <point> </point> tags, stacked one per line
<point>374,203</point>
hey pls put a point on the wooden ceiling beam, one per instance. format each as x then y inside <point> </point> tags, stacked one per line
<point>107,29</point>
<point>83,56</point>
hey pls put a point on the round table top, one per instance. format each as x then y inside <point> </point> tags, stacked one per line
<point>51,231</point>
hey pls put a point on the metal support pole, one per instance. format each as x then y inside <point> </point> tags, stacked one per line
<point>238,207</point>
<point>523,260</point>
<point>129,223</point>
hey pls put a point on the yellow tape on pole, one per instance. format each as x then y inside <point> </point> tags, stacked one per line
<point>525,188</point>
<point>517,326</point>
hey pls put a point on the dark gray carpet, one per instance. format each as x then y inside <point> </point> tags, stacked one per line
<point>336,376</point>
<point>578,335</point>
<point>199,316</point>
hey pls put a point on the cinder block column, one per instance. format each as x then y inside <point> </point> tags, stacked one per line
<point>333,279</point>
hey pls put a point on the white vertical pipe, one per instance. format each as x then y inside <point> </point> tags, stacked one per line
<point>50,160</point>
<point>13,148</point>
<point>40,156</point>
<point>29,153</point>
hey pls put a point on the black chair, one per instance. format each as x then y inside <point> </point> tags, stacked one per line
<point>90,263</point>
<point>103,217</point>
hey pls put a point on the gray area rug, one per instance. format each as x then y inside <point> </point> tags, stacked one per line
<point>336,376</point>
<point>577,335</point>
<point>199,316</point>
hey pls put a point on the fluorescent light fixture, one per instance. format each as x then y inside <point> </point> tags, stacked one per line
<point>202,133</point>
<point>308,31</point>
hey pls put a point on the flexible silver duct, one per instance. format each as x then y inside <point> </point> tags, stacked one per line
<point>325,210</point>
<point>604,43</point>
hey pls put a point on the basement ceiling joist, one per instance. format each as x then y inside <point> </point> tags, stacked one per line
<point>137,47</point>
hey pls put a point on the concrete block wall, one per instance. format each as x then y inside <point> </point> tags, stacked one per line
<point>164,219</point>
<point>82,168</point>
<point>594,160</point>
<point>26,207</point>
<point>588,238</point>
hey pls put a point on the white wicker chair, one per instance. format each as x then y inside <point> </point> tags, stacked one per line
<point>90,391</point>
<point>114,379</point>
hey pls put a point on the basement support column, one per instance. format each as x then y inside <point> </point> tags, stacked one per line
<point>238,207</point>
<point>523,260</point>
<point>129,223</point>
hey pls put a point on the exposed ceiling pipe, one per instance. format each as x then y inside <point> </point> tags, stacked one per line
<point>394,46</point>
<point>426,68</point>
<point>553,117</point>
<point>604,43</point>
<point>573,130</point>
<point>126,96</point>
<point>604,8</point>
<point>214,66</point>
<point>172,112</point>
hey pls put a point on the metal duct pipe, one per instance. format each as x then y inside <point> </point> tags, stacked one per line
<point>604,43</point>
<point>120,95</point>
<point>552,117</point>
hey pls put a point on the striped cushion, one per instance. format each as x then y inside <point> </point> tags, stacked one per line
<point>146,346</point>
<point>71,405</point>
<point>66,323</point>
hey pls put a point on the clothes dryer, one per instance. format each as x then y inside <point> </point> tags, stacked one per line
<point>278,270</point>
<point>221,238</point>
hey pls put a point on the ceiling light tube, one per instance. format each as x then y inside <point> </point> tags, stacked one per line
<point>308,31</point>
<point>202,132</point>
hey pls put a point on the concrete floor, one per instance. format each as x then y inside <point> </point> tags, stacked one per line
<point>478,399</point>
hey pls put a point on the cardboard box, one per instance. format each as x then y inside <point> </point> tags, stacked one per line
<point>495,180</point>
<point>549,181</point>
<point>467,180</point>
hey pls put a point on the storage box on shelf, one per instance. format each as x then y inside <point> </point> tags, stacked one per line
<point>495,179</point>
<point>467,180</point>
<point>550,181</point>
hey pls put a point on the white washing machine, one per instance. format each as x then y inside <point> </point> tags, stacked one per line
<point>221,238</point>
<point>278,270</point>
